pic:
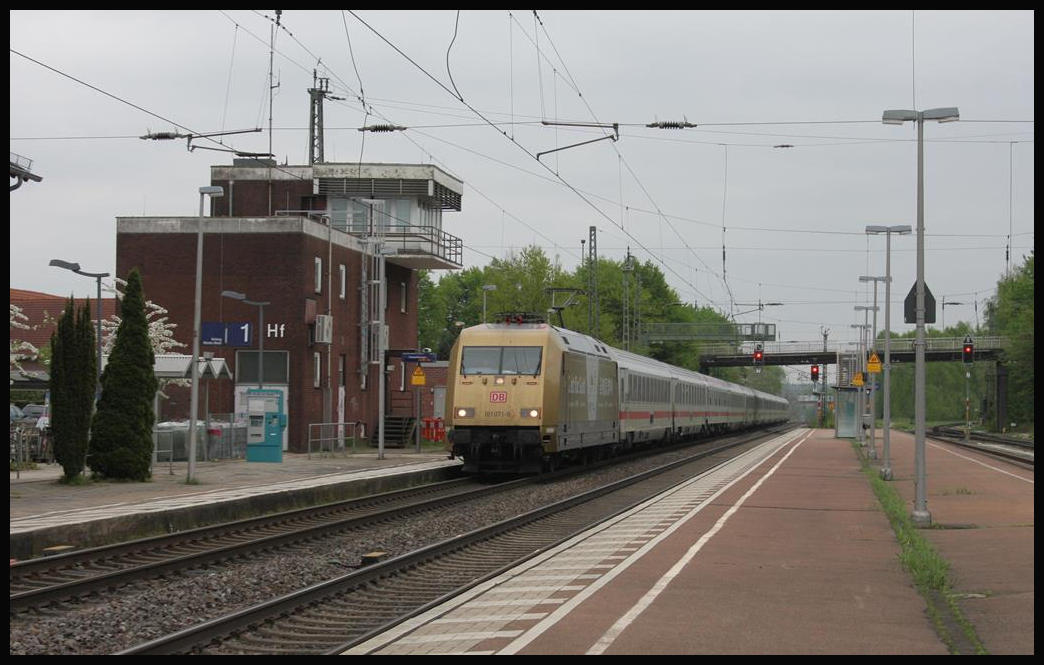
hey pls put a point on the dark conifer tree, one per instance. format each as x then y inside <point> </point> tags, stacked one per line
<point>73,377</point>
<point>121,433</point>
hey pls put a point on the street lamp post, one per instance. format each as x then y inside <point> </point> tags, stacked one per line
<point>75,267</point>
<point>873,382</point>
<point>260,304</point>
<point>213,192</point>
<point>486,289</point>
<point>920,515</point>
<point>886,463</point>
<point>861,398</point>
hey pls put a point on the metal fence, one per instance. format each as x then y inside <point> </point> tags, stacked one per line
<point>332,438</point>
<point>224,438</point>
<point>29,444</point>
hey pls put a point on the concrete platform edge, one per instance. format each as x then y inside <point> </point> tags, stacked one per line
<point>96,533</point>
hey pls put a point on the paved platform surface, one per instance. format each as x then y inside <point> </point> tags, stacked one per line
<point>45,512</point>
<point>789,555</point>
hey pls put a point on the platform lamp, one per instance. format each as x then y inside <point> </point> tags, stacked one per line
<point>886,462</point>
<point>920,515</point>
<point>75,267</point>
<point>236,295</point>
<point>872,453</point>
<point>486,288</point>
<point>860,404</point>
<point>214,192</point>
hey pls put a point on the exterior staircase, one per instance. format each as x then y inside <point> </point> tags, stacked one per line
<point>398,431</point>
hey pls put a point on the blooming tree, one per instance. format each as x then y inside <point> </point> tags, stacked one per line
<point>20,349</point>
<point>161,330</point>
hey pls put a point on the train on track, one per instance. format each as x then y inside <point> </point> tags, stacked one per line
<point>526,397</point>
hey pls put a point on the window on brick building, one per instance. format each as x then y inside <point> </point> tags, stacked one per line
<point>344,282</point>
<point>318,275</point>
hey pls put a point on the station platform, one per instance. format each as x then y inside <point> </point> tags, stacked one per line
<point>786,551</point>
<point>47,514</point>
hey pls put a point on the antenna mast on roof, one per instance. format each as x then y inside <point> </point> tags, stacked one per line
<point>271,86</point>
<point>320,90</point>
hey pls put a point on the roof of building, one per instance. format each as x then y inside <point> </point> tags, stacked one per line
<point>39,308</point>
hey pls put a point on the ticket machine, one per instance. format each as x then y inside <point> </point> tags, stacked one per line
<point>265,424</point>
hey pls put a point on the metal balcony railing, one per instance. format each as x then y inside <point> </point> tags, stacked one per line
<point>398,238</point>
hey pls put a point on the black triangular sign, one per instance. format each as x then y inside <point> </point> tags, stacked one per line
<point>910,305</point>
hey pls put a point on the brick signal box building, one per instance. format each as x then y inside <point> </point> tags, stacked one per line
<point>304,240</point>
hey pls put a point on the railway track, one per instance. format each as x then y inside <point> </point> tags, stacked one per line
<point>46,580</point>
<point>330,616</point>
<point>1004,447</point>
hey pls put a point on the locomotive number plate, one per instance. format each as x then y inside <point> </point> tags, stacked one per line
<point>498,397</point>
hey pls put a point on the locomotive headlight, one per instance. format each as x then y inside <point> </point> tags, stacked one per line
<point>530,413</point>
<point>499,380</point>
<point>465,412</point>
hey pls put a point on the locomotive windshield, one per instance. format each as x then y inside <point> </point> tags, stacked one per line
<point>500,360</point>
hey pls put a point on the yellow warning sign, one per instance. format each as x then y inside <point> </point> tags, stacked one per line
<point>418,377</point>
<point>874,364</point>
<point>857,379</point>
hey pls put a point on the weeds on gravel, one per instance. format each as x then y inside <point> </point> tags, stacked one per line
<point>929,570</point>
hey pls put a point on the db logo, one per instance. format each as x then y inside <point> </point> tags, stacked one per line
<point>498,397</point>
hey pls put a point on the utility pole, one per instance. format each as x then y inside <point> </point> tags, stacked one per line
<point>583,263</point>
<point>271,87</point>
<point>315,118</point>
<point>826,367</point>
<point>626,324</point>
<point>319,91</point>
<point>592,281</point>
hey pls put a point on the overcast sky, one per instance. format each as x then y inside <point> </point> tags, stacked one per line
<point>791,218</point>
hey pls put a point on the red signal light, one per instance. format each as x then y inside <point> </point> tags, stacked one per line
<point>815,372</point>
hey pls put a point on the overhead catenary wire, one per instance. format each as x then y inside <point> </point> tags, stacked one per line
<point>634,175</point>
<point>195,133</point>
<point>631,217</point>
<point>368,109</point>
<point>479,114</point>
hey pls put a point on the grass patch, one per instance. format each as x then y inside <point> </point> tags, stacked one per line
<point>78,479</point>
<point>930,572</point>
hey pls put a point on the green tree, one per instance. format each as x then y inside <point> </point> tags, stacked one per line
<point>73,385</point>
<point>121,433</point>
<point>1010,315</point>
<point>456,298</point>
<point>522,282</point>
